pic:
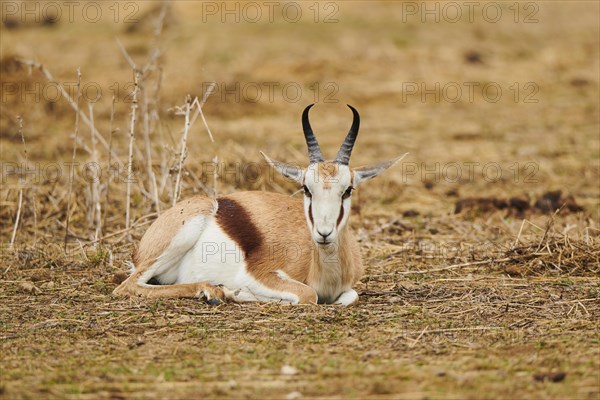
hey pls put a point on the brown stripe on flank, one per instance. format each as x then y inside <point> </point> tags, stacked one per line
<point>236,223</point>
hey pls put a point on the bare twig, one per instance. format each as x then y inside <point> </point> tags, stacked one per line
<point>34,207</point>
<point>183,149</point>
<point>549,224</point>
<point>148,149</point>
<point>74,104</point>
<point>146,130</point>
<point>95,184</point>
<point>134,225</point>
<point>134,106</point>
<point>149,66</point>
<point>199,183</point>
<point>71,170</point>
<point>414,343</point>
<point>215,161</point>
<point>108,172</point>
<point>160,21</point>
<point>198,109</point>
<point>21,182</point>
<point>185,111</point>
<point>126,55</point>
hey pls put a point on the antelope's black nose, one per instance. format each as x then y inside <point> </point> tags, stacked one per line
<point>324,235</point>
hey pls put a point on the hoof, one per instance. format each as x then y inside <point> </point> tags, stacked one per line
<point>214,302</point>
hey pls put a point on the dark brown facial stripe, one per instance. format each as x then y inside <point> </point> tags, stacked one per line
<point>340,216</point>
<point>236,223</point>
<point>310,214</point>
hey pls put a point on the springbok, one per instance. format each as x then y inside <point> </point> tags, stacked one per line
<point>255,246</point>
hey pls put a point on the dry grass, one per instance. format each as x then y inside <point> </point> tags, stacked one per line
<point>499,300</point>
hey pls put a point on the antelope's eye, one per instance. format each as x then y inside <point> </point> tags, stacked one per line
<point>347,193</point>
<point>306,191</point>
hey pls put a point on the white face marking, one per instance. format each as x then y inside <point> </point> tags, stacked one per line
<point>327,195</point>
<point>327,200</point>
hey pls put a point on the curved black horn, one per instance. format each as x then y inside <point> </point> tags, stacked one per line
<point>314,151</point>
<point>343,156</point>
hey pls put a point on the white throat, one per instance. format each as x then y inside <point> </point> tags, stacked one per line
<point>330,264</point>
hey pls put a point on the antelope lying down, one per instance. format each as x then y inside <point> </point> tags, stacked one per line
<point>255,246</point>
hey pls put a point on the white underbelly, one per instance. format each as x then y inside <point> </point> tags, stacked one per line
<point>215,258</point>
<point>219,260</point>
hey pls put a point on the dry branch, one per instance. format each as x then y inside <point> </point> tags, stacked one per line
<point>149,66</point>
<point>131,140</point>
<point>183,148</point>
<point>20,203</point>
<point>74,104</point>
<point>96,210</point>
<point>108,172</point>
<point>71,170</point>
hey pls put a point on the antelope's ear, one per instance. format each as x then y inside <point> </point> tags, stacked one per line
<point>367,172</point>
<point>289,171</point>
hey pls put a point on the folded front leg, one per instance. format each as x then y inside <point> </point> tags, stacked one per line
<point>277,287</point>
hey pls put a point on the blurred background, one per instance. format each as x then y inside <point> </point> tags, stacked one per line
<point>491,98</point>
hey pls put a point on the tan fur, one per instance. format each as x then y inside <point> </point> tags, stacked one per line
<point>163,230</point>
<point>131,287</point>
<point>285,245</point>
<point>350,259</point>
<point>306,294</point>
<point>154,242</point>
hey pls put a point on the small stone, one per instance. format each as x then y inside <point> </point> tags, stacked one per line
<point>514,270</point>
<point>550,376</point>
<point>184,319</point>
<point>381,388</point>
<point>578,82</point>
<point>295,395</point>
<point>139,341</point>
<point>49,285</point>
<point>410,213</point>
<point>473,57</point>
<point>40,275</point>
<point>231,384</point>
<point>370,354</point>
<point>29,287</point>
<point>288,370</point>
